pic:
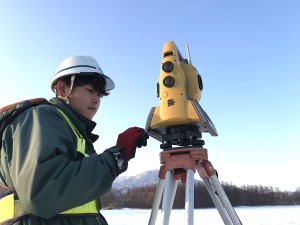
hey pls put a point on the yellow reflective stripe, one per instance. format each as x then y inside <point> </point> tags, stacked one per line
<point>80,139</point>
<point>90,207</point>
<point>11,208</point>
<point>7,207</point>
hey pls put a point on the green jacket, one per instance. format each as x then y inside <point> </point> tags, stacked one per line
<point>40,161</point>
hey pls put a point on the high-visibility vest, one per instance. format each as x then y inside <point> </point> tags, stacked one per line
<point>11,208</point>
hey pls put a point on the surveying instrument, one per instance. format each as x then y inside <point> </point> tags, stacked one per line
<point>180,120</point>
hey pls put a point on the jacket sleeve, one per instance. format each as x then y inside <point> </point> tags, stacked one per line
<point>44,166</point>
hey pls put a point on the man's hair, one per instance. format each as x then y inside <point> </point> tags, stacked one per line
<point>97,82</point>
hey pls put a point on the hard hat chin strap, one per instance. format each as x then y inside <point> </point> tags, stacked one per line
<point>65,98</point>
<point>71,87</point>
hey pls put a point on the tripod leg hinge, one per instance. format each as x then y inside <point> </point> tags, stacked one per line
<point>205,169</point>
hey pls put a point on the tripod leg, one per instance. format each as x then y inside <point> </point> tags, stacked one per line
<point>189,198</point>
<point>217,202</point>
<point>174,189</point>
<point>217,193</point>
<point>156,202</point>
<point>225,201</point>
<point>168,197</point>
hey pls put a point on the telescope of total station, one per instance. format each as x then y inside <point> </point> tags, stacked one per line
<point>179,119</point>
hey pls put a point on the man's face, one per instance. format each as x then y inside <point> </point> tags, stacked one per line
<point>85,100</point>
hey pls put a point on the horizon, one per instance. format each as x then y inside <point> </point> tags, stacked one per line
<point>198,178</point>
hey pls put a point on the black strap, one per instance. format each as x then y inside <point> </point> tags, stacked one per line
<point>5,190</point>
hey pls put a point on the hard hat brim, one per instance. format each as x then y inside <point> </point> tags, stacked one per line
<point>109,82</point>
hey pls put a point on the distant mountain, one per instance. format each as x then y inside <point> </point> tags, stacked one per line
<point>146,178</point>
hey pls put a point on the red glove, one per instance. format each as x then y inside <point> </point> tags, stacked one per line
<point>130,139</point>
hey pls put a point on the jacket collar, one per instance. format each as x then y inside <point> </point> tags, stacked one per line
<point>83,123</point>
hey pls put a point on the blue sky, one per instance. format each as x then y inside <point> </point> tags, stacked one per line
<point>248,54</point>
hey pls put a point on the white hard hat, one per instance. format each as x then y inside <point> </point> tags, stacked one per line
<point>80,65</point>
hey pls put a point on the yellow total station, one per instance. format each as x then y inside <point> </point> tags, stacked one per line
<point>179,119</point>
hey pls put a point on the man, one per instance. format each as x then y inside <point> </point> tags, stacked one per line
<point>49,170</point>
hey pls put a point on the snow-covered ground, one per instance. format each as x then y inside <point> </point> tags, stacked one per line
<point>266,215</point>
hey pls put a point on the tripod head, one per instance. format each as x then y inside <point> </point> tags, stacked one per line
<point>179,119</point>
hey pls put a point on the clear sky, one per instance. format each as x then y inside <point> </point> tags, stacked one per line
<point>247,52</point>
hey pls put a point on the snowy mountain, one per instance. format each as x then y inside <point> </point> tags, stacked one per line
<point>146,178</point>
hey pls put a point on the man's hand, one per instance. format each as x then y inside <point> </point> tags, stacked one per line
<point>130,139</point>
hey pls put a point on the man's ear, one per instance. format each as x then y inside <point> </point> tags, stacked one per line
<point>61,88</point>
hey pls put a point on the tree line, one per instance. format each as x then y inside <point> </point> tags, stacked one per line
<point>247,195</point>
